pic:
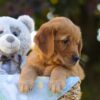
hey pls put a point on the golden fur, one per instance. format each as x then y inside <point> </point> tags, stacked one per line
<point>56,43</point>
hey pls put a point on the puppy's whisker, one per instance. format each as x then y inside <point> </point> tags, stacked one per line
<point>82,62</point>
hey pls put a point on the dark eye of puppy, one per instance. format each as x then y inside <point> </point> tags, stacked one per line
<point>65,41</point>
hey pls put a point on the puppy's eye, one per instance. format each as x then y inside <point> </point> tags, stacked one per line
<point>1,31</point>
<point>65,41</point>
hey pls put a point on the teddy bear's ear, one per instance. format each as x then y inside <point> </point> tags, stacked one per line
<point>28,21</point>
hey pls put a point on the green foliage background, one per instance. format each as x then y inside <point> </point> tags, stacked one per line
<point>85,14</point>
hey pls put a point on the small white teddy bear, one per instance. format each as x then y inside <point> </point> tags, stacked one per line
<point>15,42</point>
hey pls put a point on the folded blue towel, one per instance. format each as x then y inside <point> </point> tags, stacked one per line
<point>9,88</point>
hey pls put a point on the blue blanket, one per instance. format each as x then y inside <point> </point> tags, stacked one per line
<point>9,89</point>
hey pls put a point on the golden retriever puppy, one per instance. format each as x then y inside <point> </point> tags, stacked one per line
<point>56,53</point>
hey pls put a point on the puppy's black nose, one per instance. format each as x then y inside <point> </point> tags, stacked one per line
<point>75,58</point>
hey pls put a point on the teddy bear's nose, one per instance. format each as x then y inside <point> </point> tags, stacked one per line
<point>10,39</point>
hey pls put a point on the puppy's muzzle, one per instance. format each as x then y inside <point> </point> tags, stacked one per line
<point>75,58</point>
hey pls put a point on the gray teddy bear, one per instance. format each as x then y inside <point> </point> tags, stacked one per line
<point>15,42</point>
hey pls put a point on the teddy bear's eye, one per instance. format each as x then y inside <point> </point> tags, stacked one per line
<point>1,31</point>
<point>15,31</point>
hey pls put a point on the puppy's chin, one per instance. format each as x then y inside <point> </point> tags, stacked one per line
<point>70,64</point>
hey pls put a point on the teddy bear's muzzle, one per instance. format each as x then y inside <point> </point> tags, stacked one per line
<point>9,44</point>
<point>10,39</point>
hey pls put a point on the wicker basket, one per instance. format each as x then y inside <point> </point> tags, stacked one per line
<point>73,94</point>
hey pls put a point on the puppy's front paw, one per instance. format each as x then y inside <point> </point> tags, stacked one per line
<point>26,85</point>
<point>56,85</point>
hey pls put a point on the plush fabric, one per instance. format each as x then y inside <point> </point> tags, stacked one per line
<point>15,40</point>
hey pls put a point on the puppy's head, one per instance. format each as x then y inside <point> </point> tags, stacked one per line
<point>61,37</point>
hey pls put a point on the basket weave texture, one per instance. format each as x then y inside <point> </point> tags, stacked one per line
<point>73,94</point>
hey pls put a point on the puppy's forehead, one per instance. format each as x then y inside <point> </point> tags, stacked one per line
<point>65,28</point>
<point>67,33</point>
<point>61,36</point>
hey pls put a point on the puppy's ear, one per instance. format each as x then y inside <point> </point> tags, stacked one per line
<point>80,46</point>
<point>45,40</point>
